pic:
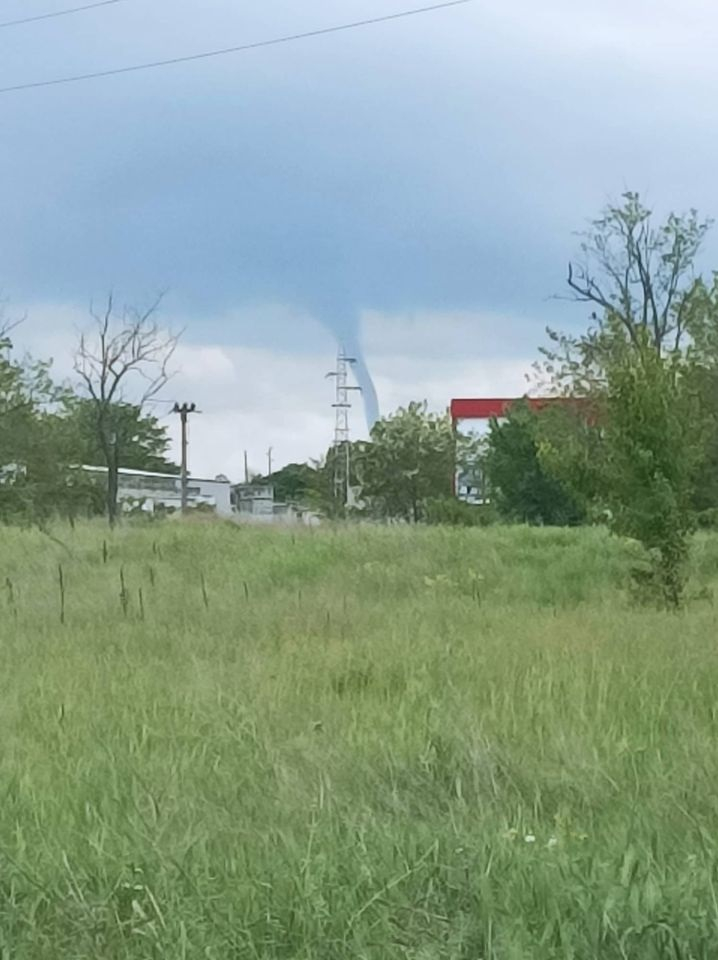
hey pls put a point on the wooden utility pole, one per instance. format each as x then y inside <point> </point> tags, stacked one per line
<point>184,410</point>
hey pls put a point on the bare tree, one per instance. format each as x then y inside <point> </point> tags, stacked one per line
<point>640,274</point>
<point>125,358</point>
<point>639,277</point>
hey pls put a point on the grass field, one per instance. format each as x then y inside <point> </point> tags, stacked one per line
<point>369,743</point>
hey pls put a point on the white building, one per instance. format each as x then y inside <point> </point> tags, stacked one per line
<point>152,490</point>
<point>255,503</point>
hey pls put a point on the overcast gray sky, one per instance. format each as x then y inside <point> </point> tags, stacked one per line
<point>410,186</point>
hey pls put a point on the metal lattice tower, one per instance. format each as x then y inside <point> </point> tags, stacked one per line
<point>342,406</point>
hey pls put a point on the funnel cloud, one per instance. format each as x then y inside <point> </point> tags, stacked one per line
<point>343,322</point>
<point>363,378</point>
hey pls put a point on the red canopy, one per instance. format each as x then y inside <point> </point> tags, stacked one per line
<point>485,408</point>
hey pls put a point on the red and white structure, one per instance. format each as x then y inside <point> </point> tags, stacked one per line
<point>484,410</point>
<point>472,417</point>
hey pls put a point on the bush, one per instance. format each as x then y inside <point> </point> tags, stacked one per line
<point>523,490</point>
<point>448,511</point>
<point>707,519</point>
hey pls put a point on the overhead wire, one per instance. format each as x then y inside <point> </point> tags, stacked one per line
<point>59,13</point>
<point>225,51</point>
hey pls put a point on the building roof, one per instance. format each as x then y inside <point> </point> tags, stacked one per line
<point>149,473</point>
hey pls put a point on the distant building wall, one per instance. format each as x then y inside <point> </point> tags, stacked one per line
<point>154,490</point>
<point>255,503</point>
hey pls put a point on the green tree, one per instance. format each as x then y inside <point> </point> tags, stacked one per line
<point>704,353</point>
<point>644,438</point>
<point>312,485</point>
<point>294,483</point>
<point>36,480</point>
<point>521,488</point>
<point>326,491</point>
<point>655,446</point>
<point>25,386</point>
<point>141,441</point>
<point>705,496</point>
<point>50,485</point>
<point>410,460</point>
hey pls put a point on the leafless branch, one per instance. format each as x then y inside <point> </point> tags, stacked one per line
<point>7,326</point>
<point>125,346</point>
<point>125,358</point>
<point>638,273</point>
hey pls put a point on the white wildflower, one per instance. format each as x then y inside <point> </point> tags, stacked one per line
<point>530,838</point>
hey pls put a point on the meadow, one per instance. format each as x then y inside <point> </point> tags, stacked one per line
<point>219,742</point>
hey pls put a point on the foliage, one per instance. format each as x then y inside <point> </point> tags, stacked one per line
<point>522,489</point>
<point>707,519</point>
<point>25,387</point>
<point>411,459</point>
<point>36,482</point>
<point>571,450</point>
<point>638,278</point>
<point>705,379</point>
<point>654,449</point>
<point>313,485</point>
<point>641,370</point>
<point>45,485</point>
<point>141,441</point>
<point>448,511</point>
<point>294,483</point>
<point>446,696</point>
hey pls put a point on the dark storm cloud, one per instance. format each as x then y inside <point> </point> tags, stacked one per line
<point>434,163</point>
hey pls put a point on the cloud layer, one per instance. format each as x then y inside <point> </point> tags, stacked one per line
<point>433,167</point>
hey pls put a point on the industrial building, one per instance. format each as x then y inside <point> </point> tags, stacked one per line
<point>164,490</point>
<point>255,503</point>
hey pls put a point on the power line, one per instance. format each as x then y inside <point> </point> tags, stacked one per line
<point>59,13</point>
<point>227,50</point>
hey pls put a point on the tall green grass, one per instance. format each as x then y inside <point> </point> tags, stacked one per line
<point>362,743</point>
